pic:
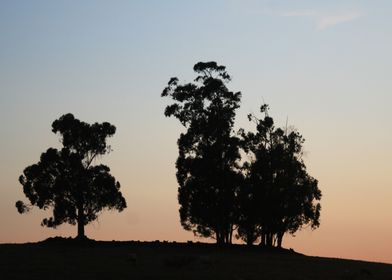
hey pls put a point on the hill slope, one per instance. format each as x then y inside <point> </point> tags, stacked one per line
<point>62,259</point>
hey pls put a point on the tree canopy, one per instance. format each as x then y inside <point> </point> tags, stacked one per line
<point>262,194</point>
<point>208,151</point>
<point>278,195</point>
<point>67,181</point>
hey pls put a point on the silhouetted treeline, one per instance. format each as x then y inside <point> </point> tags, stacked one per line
<point>248,185</point>
<point>256,197</point>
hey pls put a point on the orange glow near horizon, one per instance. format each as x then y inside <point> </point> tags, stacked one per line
<point>323,65</point>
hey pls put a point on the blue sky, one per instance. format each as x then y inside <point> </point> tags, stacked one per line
<point>324,65</point>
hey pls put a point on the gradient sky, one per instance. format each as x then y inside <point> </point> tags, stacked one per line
<point>326,65</point>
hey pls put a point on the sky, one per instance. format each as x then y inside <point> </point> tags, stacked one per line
<point>322,65</point>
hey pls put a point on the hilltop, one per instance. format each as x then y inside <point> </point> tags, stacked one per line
<point>59,258</point>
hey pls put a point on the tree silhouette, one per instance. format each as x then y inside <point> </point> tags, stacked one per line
<point>208,151</point>
<point>278,195</point>
<point>67,181</point>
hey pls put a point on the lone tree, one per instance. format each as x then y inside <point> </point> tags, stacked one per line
<point>278,195</point>
<point>208,151</point>
<point>67,181</point>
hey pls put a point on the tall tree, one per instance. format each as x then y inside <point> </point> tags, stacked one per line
<point>67,181</point>
<point>208,151</point>
<point>279,195</point>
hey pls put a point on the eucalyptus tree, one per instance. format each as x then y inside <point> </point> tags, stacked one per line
<point>68,181</point>
<point>208,151</point>
<point>278,195</point>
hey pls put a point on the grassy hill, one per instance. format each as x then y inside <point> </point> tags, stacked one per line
<point>66,259</point>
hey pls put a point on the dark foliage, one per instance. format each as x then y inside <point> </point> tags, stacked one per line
<point>269,195</point>
<point>208,151</point>
<point>67,181</point>
<point>278,195</point>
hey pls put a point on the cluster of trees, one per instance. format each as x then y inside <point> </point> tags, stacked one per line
<point>248,185</point>
<point>253,185</point>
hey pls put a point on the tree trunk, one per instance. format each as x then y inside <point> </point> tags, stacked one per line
<point>280,239</point>
<point>218,237</point>
<point>250,236</point>
<point>231,235</point>
<point>249,239</point>
<point>262,239</point>
<point>81,234</point>
<point>269,239</point>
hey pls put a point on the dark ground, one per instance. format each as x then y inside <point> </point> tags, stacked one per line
<point>66,259</point>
